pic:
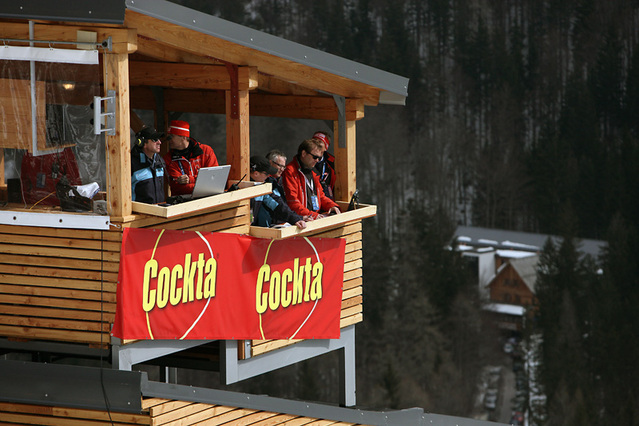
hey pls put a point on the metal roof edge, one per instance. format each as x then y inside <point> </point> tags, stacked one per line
<point>102,11</point>
<point>394,87</point>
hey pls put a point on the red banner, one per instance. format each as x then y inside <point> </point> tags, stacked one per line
<point>198,285</point>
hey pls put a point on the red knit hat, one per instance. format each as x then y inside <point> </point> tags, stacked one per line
<point>179,128</point>
<point>323,137</point>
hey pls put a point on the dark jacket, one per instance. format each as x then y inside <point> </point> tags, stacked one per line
<point>147,177</point>
<point>325,168</point>
<point>284,214</point>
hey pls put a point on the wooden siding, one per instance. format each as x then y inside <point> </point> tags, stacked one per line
<point>352,308</point>
<point>155,411</point>
<point>58,284</point>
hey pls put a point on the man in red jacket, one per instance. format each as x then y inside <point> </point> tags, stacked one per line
<point>185,158</point>
<point>325,167</point>
<point>304,193</point>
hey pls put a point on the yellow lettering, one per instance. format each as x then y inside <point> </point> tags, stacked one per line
<point>209,283</point>
<point>297,282</point>
<point>188,289</point>
<point>260,298</point>
<point>287,295</point>
<point>163,287</point>
<point>274,291</point>
<point>316,287</point>
<point>200,276</point>
<point>307,274</point>
<point>176,292</point>
<point>148,295</point>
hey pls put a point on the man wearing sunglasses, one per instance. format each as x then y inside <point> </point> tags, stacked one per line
<point>304,193</point>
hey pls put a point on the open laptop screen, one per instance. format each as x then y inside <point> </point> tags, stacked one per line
<point>211,181</point>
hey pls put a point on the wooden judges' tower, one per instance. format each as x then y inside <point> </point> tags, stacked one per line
<point>58,270</point>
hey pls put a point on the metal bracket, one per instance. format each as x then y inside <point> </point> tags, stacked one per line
<point>108,116</point>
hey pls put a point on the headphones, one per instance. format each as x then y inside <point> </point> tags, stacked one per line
<point>139,140</point>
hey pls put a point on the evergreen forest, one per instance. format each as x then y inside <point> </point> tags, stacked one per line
<point>521,115</point>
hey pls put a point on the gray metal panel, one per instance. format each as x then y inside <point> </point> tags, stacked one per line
<point>106,11</point>
<point>411,416</point>
<point>70,386</point>
<point>239,34</point>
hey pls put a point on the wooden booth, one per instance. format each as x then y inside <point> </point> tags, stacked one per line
<point>70,85</point>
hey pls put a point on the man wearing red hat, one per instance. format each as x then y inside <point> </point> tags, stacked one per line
<point>185,158</point>
<point>325,167</point>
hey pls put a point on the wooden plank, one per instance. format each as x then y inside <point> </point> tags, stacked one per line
<point>65,293</point>
<point>52,334</point>
<point>352,256</point>
<point>350,302</point>
<point>152,402</point>
<point>352,283</point>
<point>33,240</point>
<point>57,303</point>
<point>220,201</point>
<point>355,245</point>
<point>236,209</point>
<point>106,256</point>
<point>345,161</point>
<point>230,416</point>
<point>116,77</point>
<point>61,283</point>
<point>200,418</point>
<point>330,226</point>
<point>110,277</point>
<point>27,260</point>
<point>354,319</point>
<point>357,309</point>
<point>355,264</point>
<point>54,323</point>
<point>352,292</point>
<point>189,76</point>
<point>62,232</point>
<point>57,313</point>
<point>238,141</point>
<point>277,419</point>
<point>194,218</point>
<point>68,413</point>
<point>303,107</point>
<point>182,414</point>
<point>352,274</point>
<point>167,407</point>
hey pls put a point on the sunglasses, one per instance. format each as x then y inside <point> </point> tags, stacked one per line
<point>281,166</point>
<point>317,157</point>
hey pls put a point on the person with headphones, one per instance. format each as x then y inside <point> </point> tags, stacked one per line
<point>147,167</point>
<point>185,158</point>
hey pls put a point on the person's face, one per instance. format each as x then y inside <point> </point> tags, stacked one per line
<point>280,164</point>
<point>152,146</point>
<point>309,159</point>
<point>178,142</point>
<point>258,176</point>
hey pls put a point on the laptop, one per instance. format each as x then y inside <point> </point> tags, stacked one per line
<point>211,181</point>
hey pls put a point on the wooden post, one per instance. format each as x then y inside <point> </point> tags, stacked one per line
<point>237,134</point>
<point>118,147</point>
<point>345,162</point>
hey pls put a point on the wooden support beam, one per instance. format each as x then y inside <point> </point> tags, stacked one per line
<point>345,162</point>
<point>263,105</point>
<point>189,76</point>
<point>237,135</point>
<point>162,52</point>
<point>122,40</point>
<point>195,42</point>
<point>118,147</point>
